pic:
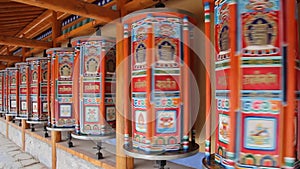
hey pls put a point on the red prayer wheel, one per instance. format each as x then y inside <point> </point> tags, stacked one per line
<point>160,94</point>
<point>61,69</point>
<point>2,91</point>
<point>94,82</point>
<point>38,72</point>
<point>23,100</point>
<point>12,89</point>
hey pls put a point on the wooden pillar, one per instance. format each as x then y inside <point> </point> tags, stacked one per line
<point>56,29</point>
<point>24,127</point>
<point>8,119</point>
<point>24,50</point>
<point>55,138</point>
<point>122,161</point>
<point>55,135</point>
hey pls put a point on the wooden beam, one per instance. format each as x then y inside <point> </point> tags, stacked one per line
<point>14,41</point>
<point>20,13</point>
<point>10,58</point>
<point>2,66</point>
<point>83,30</point>
<point>138,4</point>
<point>76,7</point>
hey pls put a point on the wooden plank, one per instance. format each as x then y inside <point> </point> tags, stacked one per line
<point>8,58</point>
<point>24,42</point>
<point>138,4</point>
<point>15,21</point>
<point>2,66</point>
<point>76,7</point>
<point>20,13</point>
<point>12,5</point>
<point>21,9</point>
<point>17,18</point>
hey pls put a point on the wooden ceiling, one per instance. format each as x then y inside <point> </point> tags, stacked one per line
<point>29,26</point>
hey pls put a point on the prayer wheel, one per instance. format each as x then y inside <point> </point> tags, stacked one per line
<point>23,69</point>
<point>255,76</point>
<point>38,84</point>
<point>94,84</point>
<point>62,64</point>
<point>12,89</point>
<point>156,42</point>
<point>2,91</point>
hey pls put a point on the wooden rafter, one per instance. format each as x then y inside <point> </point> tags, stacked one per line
<point>10,58</point>
<point>14,41</point>
<point>18,14</point>
<point>17,18</point>
<point>6,5</point>
<point>76,7</point>
<point>21,9</point>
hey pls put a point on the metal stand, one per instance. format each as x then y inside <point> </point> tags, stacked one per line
<point>161,157</point>
<point>69,130</point>
<point>46,131</point>
<point>32,123</point>
<point>161,163</point>
<point>98,147</point>
<point>211,163</point>
<point>20,119</point>
<point>99,139</point>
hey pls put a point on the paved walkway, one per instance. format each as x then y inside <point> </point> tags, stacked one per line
<point>12,157</point>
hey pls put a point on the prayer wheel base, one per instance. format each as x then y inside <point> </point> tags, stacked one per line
<point>161,156</point>
<point>33,122</point>
<point>96,138</point>
<point>211,164</point>
<point>65,129</point>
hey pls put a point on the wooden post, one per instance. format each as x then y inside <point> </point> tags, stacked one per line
<point>55,135</point>
<point>55,138</point>
<point>24,50</point>
<point>122,161</point>
<point>24,127</point>
<point>8,119</point>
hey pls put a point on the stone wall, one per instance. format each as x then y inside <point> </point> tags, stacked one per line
<point>71,161</point>
<point>39,149</point>
<point>15,135</point>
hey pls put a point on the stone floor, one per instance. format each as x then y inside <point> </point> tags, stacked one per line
<point>12,157</point>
